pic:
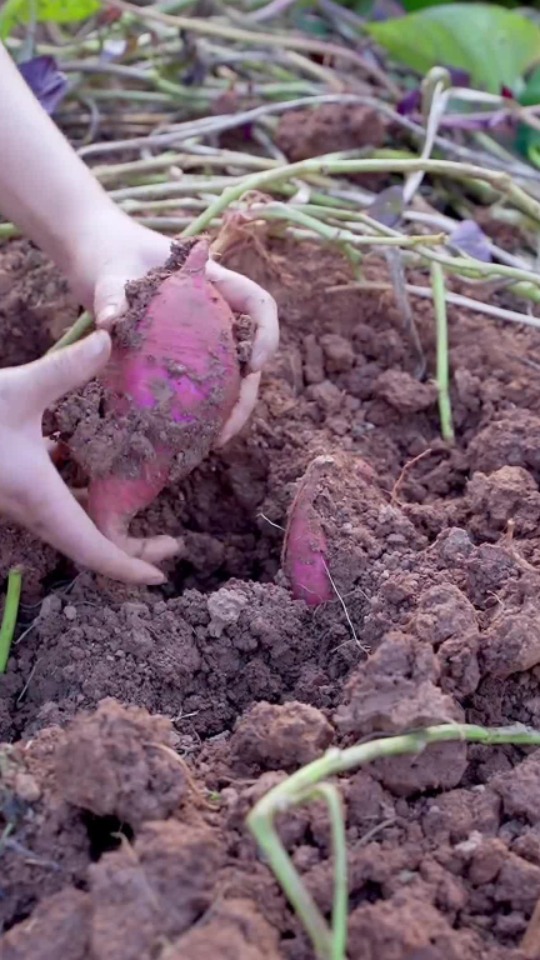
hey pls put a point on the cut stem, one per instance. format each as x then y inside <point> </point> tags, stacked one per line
<point>9,618</point>
<point>439,300</point>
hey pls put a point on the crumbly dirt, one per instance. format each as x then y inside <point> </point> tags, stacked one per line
<point>140,726</point>
<point>329,128</point>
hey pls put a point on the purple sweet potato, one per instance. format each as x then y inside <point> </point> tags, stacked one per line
<point>172,380</point>
<point>305,550</point>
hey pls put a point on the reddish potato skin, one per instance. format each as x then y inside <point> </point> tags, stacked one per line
<point>305,547</point>
<point>183,362</point>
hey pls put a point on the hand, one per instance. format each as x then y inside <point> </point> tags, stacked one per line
<point>32,493</point>
<point>126,251</point>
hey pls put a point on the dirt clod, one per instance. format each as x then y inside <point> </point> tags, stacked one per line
<point>272,737</point>
<point>116,763</point>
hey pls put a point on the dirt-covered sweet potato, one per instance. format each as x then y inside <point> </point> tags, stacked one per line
<point>170,386</point>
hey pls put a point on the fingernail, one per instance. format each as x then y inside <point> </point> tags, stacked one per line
<point>157,580</point>
<point>107,315</point>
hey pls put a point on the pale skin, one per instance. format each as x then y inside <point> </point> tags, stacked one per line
<point>54,199</point>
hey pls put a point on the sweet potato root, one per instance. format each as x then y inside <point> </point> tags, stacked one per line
<point>172,382</point>
<point>329,547</point>
<point>305,551</point>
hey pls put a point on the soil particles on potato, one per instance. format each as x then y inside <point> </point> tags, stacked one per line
<point>140,726</point>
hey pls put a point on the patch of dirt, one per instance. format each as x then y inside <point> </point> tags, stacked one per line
<point>123,833</point>
<point>35,305</point>
<point>330,128</point>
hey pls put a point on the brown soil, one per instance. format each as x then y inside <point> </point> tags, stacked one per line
<point>123,833</point>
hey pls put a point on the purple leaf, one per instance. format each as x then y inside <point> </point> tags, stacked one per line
<point>469,238</point>
<point>459,78</point>
<point>45,80</point>
<point>410,103</point>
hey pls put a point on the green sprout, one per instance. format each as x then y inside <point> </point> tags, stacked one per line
<point>308,783</point>
<point>9,619</point>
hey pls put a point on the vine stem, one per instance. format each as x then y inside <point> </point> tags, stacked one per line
<point>325,165</point>
<point>9,618</point>
<point>441,318</point>
<point>284,212</point>
<point>207,27</point>
<point>81,326</point>
<point>299,788</point>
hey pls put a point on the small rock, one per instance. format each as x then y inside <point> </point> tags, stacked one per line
<point>224,607</point>
<point>51,605</point>
<point>403,392</point>
<point>338,353</point>
<point>70,612</point>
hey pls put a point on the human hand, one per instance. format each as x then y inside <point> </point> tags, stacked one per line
<point>32,493</point>
<point>127,251</point>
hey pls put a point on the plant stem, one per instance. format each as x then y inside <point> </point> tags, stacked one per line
<point>9,618</point>
<point>120,171</point>
<point>528,280</point>
<point>282,211</point>
<point>8,230</point>
<point>331,795</point>
<point>457,171</point>
<point>297,788</point>
<point>262,827</point>
<point>290,41</point>
<point>439,300</point>
<point>81,326</point>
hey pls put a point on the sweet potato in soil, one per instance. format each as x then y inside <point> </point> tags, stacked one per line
<point>444,850</point>
<point>165,395</point>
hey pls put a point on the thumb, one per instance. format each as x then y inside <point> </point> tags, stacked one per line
<point>58,373</point>
<point>109,302</point>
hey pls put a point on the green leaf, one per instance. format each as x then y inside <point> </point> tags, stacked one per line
<point>15,12</point>
<point>530,94</point>
<point>527,143</point>
<point>413,5</point>
<point>495,46</point>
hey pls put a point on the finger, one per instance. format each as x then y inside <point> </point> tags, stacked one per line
<point>245,296</point>
<point>243,408</point>
<point>48,379</point>
<point>80,494</point>
<point>150,549</point>
<point>55,516</point>
<point>110,302</point>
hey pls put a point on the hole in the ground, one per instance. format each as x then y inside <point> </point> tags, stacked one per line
<point>189,577</point>
<point>369,892</point>
<point>22,913</point>
<point>216,513</point>
<point>105,833</point>
<point>62,575</point>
